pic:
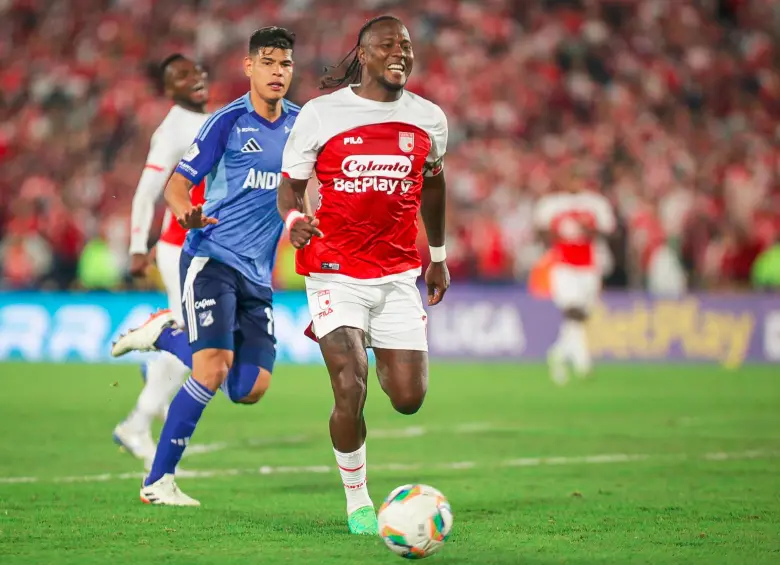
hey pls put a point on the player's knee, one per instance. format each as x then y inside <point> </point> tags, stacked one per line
<point>259,389</point>
<point>409,402</point>
<point>215,375</point>
<point>350,394</point>
<point>211,368</point>
<point>576,314</point>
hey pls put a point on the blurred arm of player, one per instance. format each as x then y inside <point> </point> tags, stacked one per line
<point>541,223</point>
<point>159,163</point>
<point>177,195</point>
<point>433,208</point>
<point>606,223</point>
<point>300,155</point>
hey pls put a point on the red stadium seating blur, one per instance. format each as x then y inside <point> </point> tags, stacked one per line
<point>673,109</point>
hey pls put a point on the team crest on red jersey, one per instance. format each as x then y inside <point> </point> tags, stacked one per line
<point>406,141</point>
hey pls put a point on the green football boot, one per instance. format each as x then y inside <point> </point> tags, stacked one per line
<point>363,522</point>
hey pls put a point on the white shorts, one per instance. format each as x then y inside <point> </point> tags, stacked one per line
<point>168,264</point>
<point>391,314</point>
<point>574,287</point>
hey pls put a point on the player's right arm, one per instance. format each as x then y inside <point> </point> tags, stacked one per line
<point>160,161</point>
<point>203,155</point>
<point>300,155</point>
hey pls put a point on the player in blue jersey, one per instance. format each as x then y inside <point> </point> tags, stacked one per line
<point>227,259</point>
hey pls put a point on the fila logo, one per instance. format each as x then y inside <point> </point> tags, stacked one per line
<point>353,140</point>
<point>251,146</point>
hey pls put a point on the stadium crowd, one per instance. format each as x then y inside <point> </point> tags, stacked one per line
<point>670,107</point>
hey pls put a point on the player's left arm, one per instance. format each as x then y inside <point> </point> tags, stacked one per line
<point>606,222</point>
<point>433,211</point>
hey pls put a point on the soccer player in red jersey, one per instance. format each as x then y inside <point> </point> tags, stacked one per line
<point>185,84</point>
<point>571,219</point>
<point>377,151</point>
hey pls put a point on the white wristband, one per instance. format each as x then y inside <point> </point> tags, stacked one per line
<point>293,217</point>
<point>438,254</point>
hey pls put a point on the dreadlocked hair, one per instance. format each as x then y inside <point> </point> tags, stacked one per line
<point>352,73</point>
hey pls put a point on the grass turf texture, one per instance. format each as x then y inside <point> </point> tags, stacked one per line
<point>675,506</point>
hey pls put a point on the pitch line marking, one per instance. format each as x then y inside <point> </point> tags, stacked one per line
<point>602,459</point>
<point>398,433</point>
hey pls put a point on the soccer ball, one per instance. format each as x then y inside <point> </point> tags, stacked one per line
<point>415,521</point>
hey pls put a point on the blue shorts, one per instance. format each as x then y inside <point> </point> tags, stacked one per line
<point>224,310</point>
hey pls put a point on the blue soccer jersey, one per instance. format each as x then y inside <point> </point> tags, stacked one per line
<point>239,153</point>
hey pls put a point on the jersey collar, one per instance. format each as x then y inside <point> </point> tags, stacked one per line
<point>269,125</point>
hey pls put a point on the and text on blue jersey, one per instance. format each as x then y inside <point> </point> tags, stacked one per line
<point>239,154</point>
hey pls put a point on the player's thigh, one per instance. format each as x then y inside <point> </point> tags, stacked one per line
<point>344,352</point>
<point>572,288</point>
<point>255,340</point>
<point>209,297</point>
<point>334,305</point>
<point>168,257</point>
<point>403,376</point>
<point>397,333</point>
<point>398,319</point>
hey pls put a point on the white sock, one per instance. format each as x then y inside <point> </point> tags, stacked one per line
<point>352,467</point>
<point>164,377</point>
<point>573,333</point>
<point>561,346</point>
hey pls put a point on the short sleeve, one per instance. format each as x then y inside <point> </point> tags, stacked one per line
<point>438,133</point>
<point>542,215</point>
<point>164,152</point>
<point>300,151</point>
<point>207,149</point>
<point>605,217</point>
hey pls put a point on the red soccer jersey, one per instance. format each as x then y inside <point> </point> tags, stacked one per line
<point>370,158</point>
<point>566,216</point>
<point>173,233</point>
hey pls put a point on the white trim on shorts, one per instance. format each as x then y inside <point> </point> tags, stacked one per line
<point>188,294</point>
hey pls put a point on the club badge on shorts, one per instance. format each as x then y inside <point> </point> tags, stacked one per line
<point>324,302</point>
<point>205,319</point>
<point>406,141</point>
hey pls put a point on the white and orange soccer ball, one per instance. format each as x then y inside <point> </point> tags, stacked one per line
<point>415,521</point>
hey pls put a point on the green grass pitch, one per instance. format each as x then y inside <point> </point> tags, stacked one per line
<point>653,464</point>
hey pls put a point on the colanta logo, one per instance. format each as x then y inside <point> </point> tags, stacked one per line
<point>386,166</point>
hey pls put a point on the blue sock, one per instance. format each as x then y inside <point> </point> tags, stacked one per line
<point>183,415</point>
<point>175,342</point>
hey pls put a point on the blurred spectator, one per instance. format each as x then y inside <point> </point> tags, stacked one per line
<point>675,106</point>
<point>766,269</point>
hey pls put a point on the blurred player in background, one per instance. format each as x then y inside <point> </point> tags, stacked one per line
<point>227,259</point>
<point>377,151</point>
<point>570,220</point>
<point>185,84</point>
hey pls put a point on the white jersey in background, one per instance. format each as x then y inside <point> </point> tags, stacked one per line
<point>170,141</point>
<point>164,373</point>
